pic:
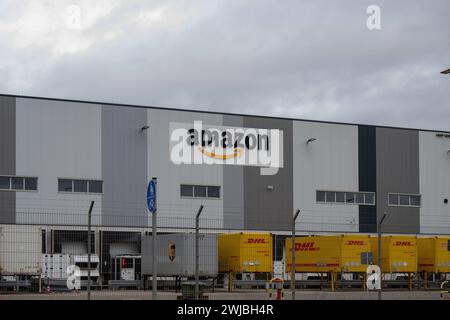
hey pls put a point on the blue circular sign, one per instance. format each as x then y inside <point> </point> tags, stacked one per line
<point>151,196</point>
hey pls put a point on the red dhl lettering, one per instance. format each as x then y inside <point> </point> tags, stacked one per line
<point>403,243</point>
<point>355,243</point>
<point>306,246</point>
<point>255,240</point>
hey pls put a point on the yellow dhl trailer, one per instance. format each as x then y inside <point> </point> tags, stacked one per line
<point>434,254</point>
<point>347,253</point>
<point>246,252</point>
<point>399,254</point>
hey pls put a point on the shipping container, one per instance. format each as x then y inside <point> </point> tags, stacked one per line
<point>341,253</point>
<point>20,250</point>
<point>434,254</point>
<point>246,252</point>
<point>399,254</point>
<point>176,254</point>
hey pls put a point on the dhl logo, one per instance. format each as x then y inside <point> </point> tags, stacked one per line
<point>256,240</point>
<point>306,246</point>
<point>403,244</point>
<point>355,243</point>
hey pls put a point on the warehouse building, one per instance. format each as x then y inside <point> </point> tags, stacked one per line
<point>58,155</point>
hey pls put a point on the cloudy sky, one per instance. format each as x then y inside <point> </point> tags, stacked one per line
<point>310,59</point>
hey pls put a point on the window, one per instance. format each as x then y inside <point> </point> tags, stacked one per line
<point>320,196</point>
<point>65,185</point>
<point>198,191</point>
<point>5,183</point>
<point>213,192</point>
<point>448,245</point>
<point>404,200</point>
<point>350,197</point>
<point>343,197</point>
<point>80,186</point>
<point>186,190</point>
<point>95,186</point>
<point>393,199</point>
<point>331,196</point>
<point>16,183</point>
<point>31,184</point>
<point>340,197</point>
<point>369,198</point>
<point>359,198</point>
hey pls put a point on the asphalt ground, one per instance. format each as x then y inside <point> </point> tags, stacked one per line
<point>236,295</point>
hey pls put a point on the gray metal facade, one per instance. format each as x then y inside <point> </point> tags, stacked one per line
<point>376,159</point>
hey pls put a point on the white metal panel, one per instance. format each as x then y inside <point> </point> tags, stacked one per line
<point>434,174</point>
<point>20,250</point>
<point>56,139</point>
<point>328,163</point>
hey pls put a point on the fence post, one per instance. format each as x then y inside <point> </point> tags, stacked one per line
<point>293,255</point>
<point>197,255</point>
<point>89,251</point>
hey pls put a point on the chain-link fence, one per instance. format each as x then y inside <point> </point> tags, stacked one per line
<point>45,255</point>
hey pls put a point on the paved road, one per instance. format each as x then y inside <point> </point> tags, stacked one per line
<point>238,295</point>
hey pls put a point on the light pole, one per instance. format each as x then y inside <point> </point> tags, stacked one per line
<point>379,252</point>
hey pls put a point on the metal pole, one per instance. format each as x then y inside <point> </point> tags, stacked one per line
<point>89,251</point>
<point>379,254</point>
<point>154,255</point>
<point>293,254</point>
<point>197,255</point>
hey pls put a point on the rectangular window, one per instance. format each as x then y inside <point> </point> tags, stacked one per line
<point>320,196</point>
<point>360,198</point>
<point>369,198</point>
<point>17,183</point>
<point>330,196</point>
<point>415,201</point>
<point>79,186</point>
<point>213,192</point>
<point>5,183</point>
<point>200,191</point>
<point>448,245</point>
<point>340,197</point>
<point>343,197</point>
<point>31,184</point>
<point>196,191</point>
<point>349,197</point>
<point>186,190</point>
<point>95,186</point>
<point>404,200</point>
<point>65,185</point>
<point>393,199</point>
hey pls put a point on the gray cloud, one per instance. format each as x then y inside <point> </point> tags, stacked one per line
<point>306,59</point>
